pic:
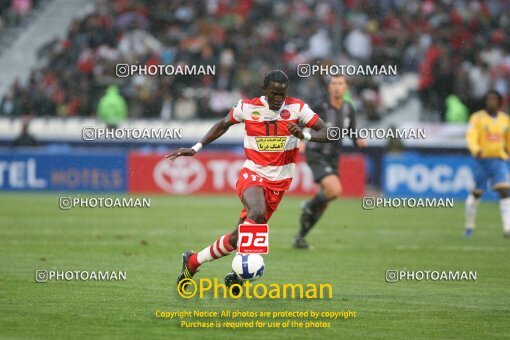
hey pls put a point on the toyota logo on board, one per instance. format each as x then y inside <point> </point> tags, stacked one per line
<point>185,175</point>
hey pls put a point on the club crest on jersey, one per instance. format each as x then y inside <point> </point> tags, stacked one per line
<point>255,115</point>
<point>285,114</point>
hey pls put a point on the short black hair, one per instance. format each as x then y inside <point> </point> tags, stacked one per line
<point>277,76</point>
<point>496,93</point>
<point>338,75</point>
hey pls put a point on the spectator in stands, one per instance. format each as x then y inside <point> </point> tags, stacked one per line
<point>443,83</point>
<point>394,145</point>
<point>359,45</point>
<point>112,108</point>
<point>456,111</point>
<point>166,106</point>
<point>9,107</point>
<point>20,8</point>
<point>427,93</point>
<point>25,139</point>
<point>480,82</point>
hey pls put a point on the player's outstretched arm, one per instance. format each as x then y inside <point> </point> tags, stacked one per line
<point>320,135</point>
<point>215,132</point>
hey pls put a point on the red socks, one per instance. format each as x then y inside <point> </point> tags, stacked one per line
<point>221,247</point>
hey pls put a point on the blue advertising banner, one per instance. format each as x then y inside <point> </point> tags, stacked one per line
<point>429,176</point>
<point>41,171</point>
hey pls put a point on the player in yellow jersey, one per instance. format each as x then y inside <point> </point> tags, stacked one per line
<point>488,140</point>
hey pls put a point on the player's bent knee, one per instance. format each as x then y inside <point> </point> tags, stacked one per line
<point>332,192</point>
<point>331,187</point>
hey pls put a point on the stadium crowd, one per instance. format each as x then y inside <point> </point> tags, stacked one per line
<point>13,11</point>
<point>458,47</point>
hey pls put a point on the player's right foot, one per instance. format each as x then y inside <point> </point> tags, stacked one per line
<point>506,234</point>
<point>231,279</point>
<point>468,233</point>
<point>186,273</point>
<point>300,243</point>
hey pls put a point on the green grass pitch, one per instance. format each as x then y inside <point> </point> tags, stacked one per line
<point>352,250</point>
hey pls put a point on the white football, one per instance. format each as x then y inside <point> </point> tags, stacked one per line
<point>248,267</point>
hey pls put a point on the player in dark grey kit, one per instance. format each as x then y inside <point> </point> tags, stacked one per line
<point>323,158</point>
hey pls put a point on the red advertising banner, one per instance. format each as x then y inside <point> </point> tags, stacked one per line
<point>217,172</point>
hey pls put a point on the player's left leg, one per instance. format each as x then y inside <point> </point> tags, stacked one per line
<point>330,189</point>
<point>501,180</point>
<point>504,208</point>
<point>223,246</point>
<point>191,260</point>
<point>481,174</point>
<point>252,193</point>
<point>253,199</point>
<point>471,208</point>
<point>256,211</point>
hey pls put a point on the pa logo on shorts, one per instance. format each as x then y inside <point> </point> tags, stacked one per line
<point>253,239</point>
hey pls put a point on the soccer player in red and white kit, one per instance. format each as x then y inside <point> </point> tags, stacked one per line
<point>273,131</point>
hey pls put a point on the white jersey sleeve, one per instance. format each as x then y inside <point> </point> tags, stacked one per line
<point>236,113</point>
<point>306,116</point>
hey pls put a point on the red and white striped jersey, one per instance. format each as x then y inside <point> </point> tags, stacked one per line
<point>271,150</point>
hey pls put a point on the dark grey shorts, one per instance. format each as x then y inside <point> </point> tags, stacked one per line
<point>322,165</point>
